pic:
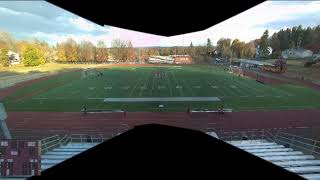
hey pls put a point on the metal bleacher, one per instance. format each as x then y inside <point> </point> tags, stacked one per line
<point>55,149</point>
<point>294,153</point>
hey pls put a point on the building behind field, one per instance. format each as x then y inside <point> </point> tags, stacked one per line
<point>296,53</point>
<point>172,59</point>
<point>182,59</point>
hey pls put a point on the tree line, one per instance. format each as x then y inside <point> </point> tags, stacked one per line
<point>294,38</point>
<point>37,52</point>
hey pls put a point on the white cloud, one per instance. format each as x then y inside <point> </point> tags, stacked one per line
<point>8,11</point>
<point>82,24</point>
<point>247,25</point>
<point>138,39</point>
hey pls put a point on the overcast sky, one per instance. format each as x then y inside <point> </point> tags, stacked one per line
<point>40,19</point>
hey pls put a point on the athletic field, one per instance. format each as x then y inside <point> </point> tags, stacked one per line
<point>119,87</point>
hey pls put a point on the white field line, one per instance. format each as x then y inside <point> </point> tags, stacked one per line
<point>144,86</point>
<point>138,82</point>
<point>154,78</point>
<point>174,77</point>
<point>169,85</point>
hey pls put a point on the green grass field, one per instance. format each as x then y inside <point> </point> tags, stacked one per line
<point>70,92</point>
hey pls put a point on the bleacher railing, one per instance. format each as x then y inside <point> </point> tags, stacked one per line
<point>49,143</point>
<point>55,141</point>
<point>306,145</point>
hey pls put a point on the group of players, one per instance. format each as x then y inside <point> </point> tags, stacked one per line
<point>161,74</point>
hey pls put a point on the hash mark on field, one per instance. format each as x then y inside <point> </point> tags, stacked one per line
<point>233,86</point>
<point>125,87</point>
<point>179,87</point>
<point>196,87</point>
<point>259,96</point>
<point>175,79</point>
<point>214,87</point>
<point>110,87</point>
<point>169,84</point>
<point>138,82</point>
<point>91,88</point>
<point>244,96</point>
<point>144,87</point>
<point>41,98</point>
<point>154,78</point>
<point>161,87</point>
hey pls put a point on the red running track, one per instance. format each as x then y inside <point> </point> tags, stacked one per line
<point>41,124</point>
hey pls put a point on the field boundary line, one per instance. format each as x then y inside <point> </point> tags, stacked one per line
<point>135,86</point>
<point>144,85</point>
<point>168,79</point>
<point>154,78</point>
<point>174,77</point>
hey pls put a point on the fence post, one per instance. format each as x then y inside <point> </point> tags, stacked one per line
<point>45,145</point>
<point>315,143</point>
<point>59,140</point>
<point>291,141</point>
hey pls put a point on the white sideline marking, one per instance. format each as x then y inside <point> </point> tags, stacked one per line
<point>125,87</point>
<point>95,98</point>
<point>110,87</point>
<point>41,98</point>
<point>92,88</point>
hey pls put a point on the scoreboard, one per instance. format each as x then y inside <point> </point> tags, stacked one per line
<point>19,158</point>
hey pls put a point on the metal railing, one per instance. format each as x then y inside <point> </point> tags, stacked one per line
<point>49,143</point>
<point>83,138</point>
<point>306,145</point>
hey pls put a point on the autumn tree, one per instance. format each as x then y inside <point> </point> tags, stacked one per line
<point>61,54</point>
<point>131,56</point>
<point>32,56</point>
<point>4,59</point>
<point>70,50</point>
<point>102,52</point>
<point>224,47</point>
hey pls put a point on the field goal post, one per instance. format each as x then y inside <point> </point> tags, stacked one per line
<point>89,72</point>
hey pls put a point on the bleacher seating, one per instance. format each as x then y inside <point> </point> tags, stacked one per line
<point>306,166</point>
<point>62,153</point>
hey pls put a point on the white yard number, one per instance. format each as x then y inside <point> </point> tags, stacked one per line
<point>31,144</point>
<point>4,143</point>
